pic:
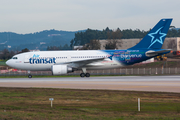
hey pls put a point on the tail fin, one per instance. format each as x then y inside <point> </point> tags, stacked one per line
<point>155,38</point>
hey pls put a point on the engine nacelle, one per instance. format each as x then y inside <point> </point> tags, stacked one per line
<point>61,69</point>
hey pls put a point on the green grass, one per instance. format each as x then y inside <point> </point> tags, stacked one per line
<point>3,63</point>
<point>33,103</point>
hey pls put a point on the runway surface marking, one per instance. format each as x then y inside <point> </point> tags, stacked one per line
<point>136,83</point>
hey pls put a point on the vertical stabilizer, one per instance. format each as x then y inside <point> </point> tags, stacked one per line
<point>155,38</point>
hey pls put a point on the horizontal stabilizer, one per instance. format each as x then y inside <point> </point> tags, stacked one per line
<point>154,53</point>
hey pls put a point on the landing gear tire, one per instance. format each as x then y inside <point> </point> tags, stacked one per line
<point>82,75</point>
<point>29,76</point>
<point>87,75</point>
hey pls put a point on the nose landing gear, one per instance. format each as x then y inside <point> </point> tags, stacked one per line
<point>29,76</point>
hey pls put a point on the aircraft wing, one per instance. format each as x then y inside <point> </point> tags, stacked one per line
<point>153,53</point>
<point>81,63</point>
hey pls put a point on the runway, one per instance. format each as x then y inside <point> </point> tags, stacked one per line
<point>131,83</point>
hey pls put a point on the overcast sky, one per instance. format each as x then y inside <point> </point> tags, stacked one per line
<point>29,16</point>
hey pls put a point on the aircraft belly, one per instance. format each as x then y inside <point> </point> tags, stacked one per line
<point>34,67</point>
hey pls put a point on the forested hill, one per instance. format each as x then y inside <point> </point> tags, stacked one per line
<point>82,38</point>
<point>38,40</point>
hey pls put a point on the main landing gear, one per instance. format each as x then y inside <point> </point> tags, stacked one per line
<point>84,74</point>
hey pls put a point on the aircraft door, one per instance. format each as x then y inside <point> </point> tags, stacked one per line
<point>68,58</point>
<point>26,58</point>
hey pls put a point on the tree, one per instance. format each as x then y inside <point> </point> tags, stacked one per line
<point>93,45</point>
<point>6,54</point>
<point>66,47</point>
<point>112,39</point>
<point>117,34</point>
<point>112,44</point>
<point>24,50</point>
<point>53,48</point>
<point>172,27</point>
<point>71,43</point>
<point>82,38</point>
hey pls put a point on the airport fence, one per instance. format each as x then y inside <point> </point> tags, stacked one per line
<point>120,71</point>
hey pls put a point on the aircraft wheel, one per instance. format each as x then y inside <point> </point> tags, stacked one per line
<point>82,74</point>
<point>29,76</point>
<point>87,75</point>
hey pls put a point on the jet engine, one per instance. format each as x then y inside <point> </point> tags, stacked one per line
<point>61,69</point>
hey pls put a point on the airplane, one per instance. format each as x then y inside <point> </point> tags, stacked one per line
<point>63,62</point>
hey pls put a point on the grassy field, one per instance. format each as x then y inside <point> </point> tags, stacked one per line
<point>69,104</point>
<point>2,62</point>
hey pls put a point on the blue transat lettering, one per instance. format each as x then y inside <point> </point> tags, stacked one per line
<point>42,60</point>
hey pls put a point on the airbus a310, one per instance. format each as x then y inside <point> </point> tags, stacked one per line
<point>63,62</point>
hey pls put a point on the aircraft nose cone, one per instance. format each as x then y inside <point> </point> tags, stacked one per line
<point>8,63</point>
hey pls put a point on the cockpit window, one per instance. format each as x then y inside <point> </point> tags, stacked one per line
<point>14,58</point>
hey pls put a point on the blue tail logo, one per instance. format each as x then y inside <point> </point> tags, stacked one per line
<point>155,38</point>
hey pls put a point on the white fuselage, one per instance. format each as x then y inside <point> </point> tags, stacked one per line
<point>44,60</point>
